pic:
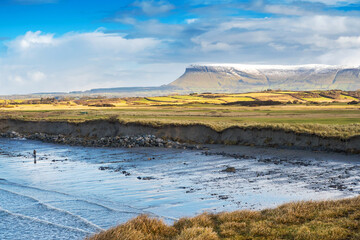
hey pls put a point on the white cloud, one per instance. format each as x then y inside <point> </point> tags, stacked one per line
<point>285,10</point>
<point>154,7</point>
<point>159,30</point>
<point>215,46</point>
<point>191,20</point>
<point>31,39</point>
<point>278,47</point>
<point>37,62</point>
<point>342,57</point>
<point>302,39</point>
<point>348,42</point>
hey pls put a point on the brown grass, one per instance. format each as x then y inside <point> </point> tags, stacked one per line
<point>324,220</point>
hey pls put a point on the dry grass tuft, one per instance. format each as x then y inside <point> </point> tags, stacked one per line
<point>203,220</point>
<point>324,220</point>
<point>139,228</point>
<point>198,233</point>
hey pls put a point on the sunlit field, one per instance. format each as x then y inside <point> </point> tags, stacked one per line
<point>326,113</point>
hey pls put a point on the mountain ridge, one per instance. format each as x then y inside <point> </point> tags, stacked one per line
<point>233,78</point>
<point>241,77</point>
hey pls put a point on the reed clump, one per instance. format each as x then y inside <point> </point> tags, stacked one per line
<point>325,220</point>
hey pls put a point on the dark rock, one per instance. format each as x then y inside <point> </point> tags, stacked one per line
<point>229,170</point>
<point>118,141</point>
<point>102,168</point>
<point>148,178</point>
<point>223,197</point>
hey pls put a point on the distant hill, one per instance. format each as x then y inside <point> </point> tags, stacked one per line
<point>242,78</point>
<point>233,78</point>
<point>125,89</point>
<point>106,92</point>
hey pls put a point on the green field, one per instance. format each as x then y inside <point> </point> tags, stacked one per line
<point>324,116</point>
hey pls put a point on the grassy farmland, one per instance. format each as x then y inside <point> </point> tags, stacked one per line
<point>325,113</point>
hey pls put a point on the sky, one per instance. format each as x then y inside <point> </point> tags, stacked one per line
<point>71,45</point>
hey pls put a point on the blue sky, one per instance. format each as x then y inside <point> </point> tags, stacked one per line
<point>66,45</point>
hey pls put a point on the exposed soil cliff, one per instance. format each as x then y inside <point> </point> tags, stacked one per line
<point>186,133</point>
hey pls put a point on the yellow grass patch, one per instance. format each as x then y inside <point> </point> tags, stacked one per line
<point>349,98</point>
<point>323,220</point>
<point>236,99</point>
<point>318,99</point>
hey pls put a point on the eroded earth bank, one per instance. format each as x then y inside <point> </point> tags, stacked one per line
<point>116,134</point>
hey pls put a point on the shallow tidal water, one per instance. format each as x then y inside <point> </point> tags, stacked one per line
<point>72,192</point>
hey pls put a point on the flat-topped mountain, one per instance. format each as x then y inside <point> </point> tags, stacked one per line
<point>240,78</point>
<point>232,78</point>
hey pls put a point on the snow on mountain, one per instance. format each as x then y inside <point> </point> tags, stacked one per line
<point>242,77</point>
